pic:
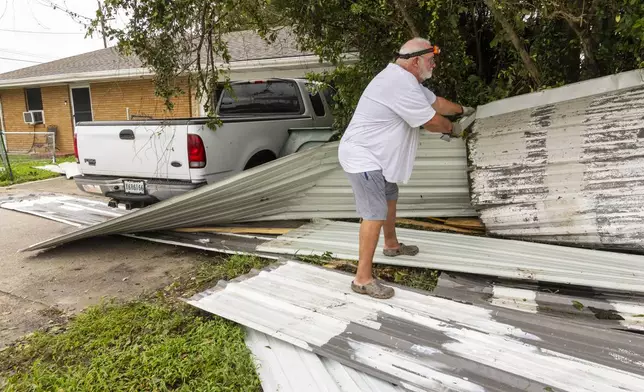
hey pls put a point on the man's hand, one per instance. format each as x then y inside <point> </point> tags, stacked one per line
<point>467,111</point>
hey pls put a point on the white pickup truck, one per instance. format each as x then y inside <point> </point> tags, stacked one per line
<point>142,162</point>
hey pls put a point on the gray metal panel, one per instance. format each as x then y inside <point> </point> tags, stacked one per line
<point>73,211</point>
<point>422,342</point>
<point>569,172</point>
<point>583,304</point>
<point>305,185</point>
<point>475,255</point>
<point>283,367</point>
<point>80,212</point>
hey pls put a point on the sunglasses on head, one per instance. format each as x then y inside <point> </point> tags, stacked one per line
<point>432,49</point>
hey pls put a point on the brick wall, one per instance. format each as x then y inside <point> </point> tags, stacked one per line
<point>110,100</point>
<point>56,105</point>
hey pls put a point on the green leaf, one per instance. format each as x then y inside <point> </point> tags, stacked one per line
<point>618,17</point>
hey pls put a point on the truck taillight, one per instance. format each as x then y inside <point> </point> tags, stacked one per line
<point>76,148</point>
<point>196,152</point>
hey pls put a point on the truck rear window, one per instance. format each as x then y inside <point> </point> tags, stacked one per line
<point>270,97</point>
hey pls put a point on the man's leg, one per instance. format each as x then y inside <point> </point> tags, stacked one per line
<point>371,205</point>
<point>369,235</point>
<point>392,246</point>
<point>389,227</point>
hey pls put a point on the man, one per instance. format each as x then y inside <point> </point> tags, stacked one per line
<point>378,150</point>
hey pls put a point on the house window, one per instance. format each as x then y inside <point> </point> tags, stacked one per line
<point>33,98</point>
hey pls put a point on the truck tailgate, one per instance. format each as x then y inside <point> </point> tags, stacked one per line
<point>134,150</point>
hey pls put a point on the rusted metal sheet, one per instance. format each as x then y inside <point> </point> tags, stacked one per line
<point>425,343</point>
<point>564,171</point>
<point>599,308</point>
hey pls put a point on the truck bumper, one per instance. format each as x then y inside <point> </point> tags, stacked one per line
<point>155,190</point>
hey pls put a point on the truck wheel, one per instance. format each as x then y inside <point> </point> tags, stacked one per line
<point>260,158</point>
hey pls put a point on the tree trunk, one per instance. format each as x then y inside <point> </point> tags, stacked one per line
<point>507,28</point>
<point>585,47</point>
<point>477,36</point>
<point>408,19</point>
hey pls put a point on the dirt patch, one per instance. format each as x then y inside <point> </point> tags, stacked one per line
<point>37,288</point>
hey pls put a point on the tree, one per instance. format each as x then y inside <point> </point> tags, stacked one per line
<point>491,48</point>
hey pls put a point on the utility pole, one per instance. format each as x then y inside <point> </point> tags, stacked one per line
<point>102,24</point>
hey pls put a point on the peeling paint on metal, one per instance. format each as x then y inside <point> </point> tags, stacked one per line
<point>475,255</point>
<point>422,342</point>
<point>563,170</point>
<point>283,367</point>
<point>601,309</point>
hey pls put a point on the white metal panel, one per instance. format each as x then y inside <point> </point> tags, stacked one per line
<point>283,367</point>
<point>304,185</point>
<point>474,255</point>
<point>568,172</point>
<point>426,343</point>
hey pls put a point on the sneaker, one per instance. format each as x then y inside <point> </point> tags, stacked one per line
<point>406,250</point>
<point>374,289</point>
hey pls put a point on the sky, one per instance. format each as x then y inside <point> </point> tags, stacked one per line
<point>32,32</point>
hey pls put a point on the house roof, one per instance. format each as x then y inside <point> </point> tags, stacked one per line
<point>242,45</point>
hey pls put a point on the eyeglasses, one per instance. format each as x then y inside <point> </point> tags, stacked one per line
<point>432,49</point>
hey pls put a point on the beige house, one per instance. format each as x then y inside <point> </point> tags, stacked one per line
<point>103,85</point>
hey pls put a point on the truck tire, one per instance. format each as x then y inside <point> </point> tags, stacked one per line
<point>260,158</point>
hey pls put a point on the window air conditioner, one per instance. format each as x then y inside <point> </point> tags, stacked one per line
<point>34,117</point>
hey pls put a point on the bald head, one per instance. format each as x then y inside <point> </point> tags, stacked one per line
<point>420,66</point>
<point>414,45</point>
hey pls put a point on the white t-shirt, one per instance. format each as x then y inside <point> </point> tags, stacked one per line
<point>383,132</point>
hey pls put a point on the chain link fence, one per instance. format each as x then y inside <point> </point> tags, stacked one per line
<point>37,146</point>
<point>5,164</point>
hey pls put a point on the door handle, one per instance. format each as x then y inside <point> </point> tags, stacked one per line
<point>126,134</point>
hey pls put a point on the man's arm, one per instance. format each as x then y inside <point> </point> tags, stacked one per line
<point>447,108</point>
<point>438,124</point>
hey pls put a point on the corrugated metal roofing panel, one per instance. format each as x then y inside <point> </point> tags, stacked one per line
<point>583,304</point>
<point>300,186</point>
<point>475,255</point>
<point>422,342</point>
<point>73,211</point>
<point>566,172</point>
<point>283,367</point>
<point>80,212</point>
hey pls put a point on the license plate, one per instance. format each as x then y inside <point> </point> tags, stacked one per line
<point>134,187</point>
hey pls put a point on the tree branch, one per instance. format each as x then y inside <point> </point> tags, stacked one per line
<point>507,28</point>
<point>407,17</point>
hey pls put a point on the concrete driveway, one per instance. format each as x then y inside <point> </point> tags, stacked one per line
<point>36,288</point>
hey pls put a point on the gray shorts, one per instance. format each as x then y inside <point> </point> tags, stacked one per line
<point>371,192</point>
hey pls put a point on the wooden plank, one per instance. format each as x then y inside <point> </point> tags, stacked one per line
<point>436,226</point>
<point>470,223</point>
<point>236,230</point>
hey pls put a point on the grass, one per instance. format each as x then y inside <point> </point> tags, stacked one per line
<point>418,278</point>
<point>23,171</point>
<point>155,343</point>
